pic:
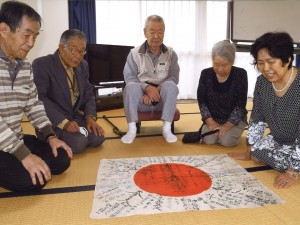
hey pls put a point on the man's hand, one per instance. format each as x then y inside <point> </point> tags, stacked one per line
<point>146,100</point>
<point>153,93</point>
<point>71,127</point>
<point>55,143</point>
<point>93,126</point>
<point>36,167</point>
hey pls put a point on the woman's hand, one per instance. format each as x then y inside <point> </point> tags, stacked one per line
<point>211,123</point>
<point>285,180</point>
<point>224,128</point>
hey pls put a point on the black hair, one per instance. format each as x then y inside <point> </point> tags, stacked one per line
<point>278,44</point>
<point>12,13</point>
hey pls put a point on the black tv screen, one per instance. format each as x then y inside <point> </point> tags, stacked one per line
<point>106,62</point>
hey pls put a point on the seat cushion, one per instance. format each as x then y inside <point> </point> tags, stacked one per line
<point>156,115</point>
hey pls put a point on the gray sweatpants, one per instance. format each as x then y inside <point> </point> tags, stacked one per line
<point>132,99</point>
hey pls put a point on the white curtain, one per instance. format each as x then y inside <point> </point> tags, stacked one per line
<point>192,28</point>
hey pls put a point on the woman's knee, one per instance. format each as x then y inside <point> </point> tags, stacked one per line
<point>232,137</point>
<point>229,142</point>
<point>209,141</point>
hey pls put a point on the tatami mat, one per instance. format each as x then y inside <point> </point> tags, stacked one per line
<point>68,197</point>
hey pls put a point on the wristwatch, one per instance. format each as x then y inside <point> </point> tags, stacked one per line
<point>50,136</point>
<point>91,116</point>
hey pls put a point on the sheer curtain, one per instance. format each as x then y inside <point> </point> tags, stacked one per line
<point>192,28</point>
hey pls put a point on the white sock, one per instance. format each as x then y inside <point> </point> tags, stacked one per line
<point>131,133</point>
<point>167,133</point>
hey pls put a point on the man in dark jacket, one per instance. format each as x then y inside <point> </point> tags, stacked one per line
<point>62,81</point>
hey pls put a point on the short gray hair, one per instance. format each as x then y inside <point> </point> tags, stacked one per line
<point>155,18</point>
<point>71,34</point>
<point>224,49</point>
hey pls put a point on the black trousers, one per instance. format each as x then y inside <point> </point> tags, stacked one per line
<point>14,176</point>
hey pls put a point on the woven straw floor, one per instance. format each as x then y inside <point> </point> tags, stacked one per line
<point>67,199</point>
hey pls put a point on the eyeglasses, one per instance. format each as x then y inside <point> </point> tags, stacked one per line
<point>158,33</point>
<point>76,50</point>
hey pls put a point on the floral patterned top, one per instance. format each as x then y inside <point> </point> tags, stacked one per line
<point>280,114</point>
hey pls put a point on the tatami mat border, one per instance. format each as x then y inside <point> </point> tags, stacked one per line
<point>64,190</point>
<point>258,168</point>
<point>49,191</point>
<point>182,113</point>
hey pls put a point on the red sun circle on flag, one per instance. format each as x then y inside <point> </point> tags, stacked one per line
<point>172,179</point>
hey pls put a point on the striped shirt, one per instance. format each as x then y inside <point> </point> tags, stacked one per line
<point>18,96</point>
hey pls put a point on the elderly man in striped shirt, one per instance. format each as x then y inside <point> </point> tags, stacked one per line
<point>26,163</point>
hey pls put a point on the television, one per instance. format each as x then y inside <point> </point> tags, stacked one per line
<point>106,63</point>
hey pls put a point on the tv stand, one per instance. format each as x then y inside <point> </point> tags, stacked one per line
<point>106,65</point>
<point>109,95</point>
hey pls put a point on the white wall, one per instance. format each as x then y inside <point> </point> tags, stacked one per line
<point>55,21</point>
<point>252,18</point>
